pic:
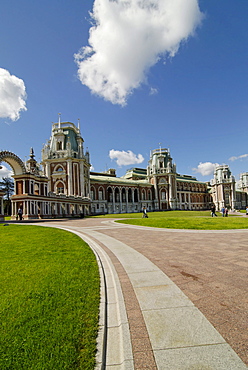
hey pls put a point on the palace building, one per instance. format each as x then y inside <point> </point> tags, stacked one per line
<point>63,186</point>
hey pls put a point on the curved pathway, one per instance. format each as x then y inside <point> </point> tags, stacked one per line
<point>176,299</point>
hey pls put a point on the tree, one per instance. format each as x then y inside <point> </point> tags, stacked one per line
<point>7,185</point>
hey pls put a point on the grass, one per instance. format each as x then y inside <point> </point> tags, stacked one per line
<point>49,305</point>
<point>197,220</point>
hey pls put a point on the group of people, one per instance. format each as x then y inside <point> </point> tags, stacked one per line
<point>224,211</point>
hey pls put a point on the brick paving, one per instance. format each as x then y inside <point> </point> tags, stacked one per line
<point>210,268</point>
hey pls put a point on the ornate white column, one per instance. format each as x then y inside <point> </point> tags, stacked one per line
<point>70,187</point>
<point>81,177</point>
<point>126,200</point>
<point>120,194</point>
<point>113,192</point>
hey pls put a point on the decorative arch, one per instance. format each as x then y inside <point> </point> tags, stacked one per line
<point>14,161</point>
<point>59,168</point>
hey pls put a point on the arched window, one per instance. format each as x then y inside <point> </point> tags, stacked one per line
<point>36,189</point>
<point>92,193</point>
<point>149,195</point>
<point>163,195</point>
<point>60,188</point>
<point>123,195</point>
<point>117,195</point>
<point>100,194</point>
<point>129,196</point>
<point>136,195</point>
<point>59,169</point>
<point>110,195</point>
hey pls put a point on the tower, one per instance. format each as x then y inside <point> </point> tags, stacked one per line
<point>64,161</point>
<point>161,173</point>
<point>223,188</point>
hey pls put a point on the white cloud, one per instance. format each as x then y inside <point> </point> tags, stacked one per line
<point>5,172</point>
<point>125,158</point>
<point>12,95</point>
<point>153,91</point>
<point>239,157</point>
<point>206,168</point>
<point>127,38</point>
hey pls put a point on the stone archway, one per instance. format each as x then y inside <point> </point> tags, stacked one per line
<point>14,161</point>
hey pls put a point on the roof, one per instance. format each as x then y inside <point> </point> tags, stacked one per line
<point>118,180</point>
<point>189,179</point>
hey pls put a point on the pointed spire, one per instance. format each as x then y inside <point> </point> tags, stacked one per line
<point>32,153</point>
<point>59,119</point>
<point>79,124</point>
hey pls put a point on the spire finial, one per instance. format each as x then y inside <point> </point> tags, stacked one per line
<point>160,147</point>
<point>59,114</point>
<point>31,153</point>
<point>78,124</point>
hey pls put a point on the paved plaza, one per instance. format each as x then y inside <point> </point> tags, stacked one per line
<point>175,299</point>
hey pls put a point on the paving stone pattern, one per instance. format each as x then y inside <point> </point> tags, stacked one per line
<point>210,268</point>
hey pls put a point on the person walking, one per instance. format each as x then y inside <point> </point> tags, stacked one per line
<point>223,211</point>
<point>213,214</point>
<point>226,212</point>
<point>19,213</point>
<point>144,213</point>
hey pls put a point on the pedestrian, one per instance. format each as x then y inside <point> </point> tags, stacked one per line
<point>223,211</point>
<point>247,211</point>
<point>19,212</point>
<point>144,213</point>
<point>226,212</point>
<point>213,214</point>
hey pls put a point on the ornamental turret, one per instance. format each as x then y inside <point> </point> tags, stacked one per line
<point>64,160</point>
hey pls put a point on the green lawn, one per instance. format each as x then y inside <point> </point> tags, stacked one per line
<point>199,220</point>
<point>49,305</point>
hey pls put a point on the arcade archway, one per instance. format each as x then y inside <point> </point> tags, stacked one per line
<point>14,161</point>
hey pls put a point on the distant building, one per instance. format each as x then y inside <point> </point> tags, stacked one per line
<point>62,184</point>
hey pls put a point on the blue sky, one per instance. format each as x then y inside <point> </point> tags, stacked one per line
<point>174,74</point>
